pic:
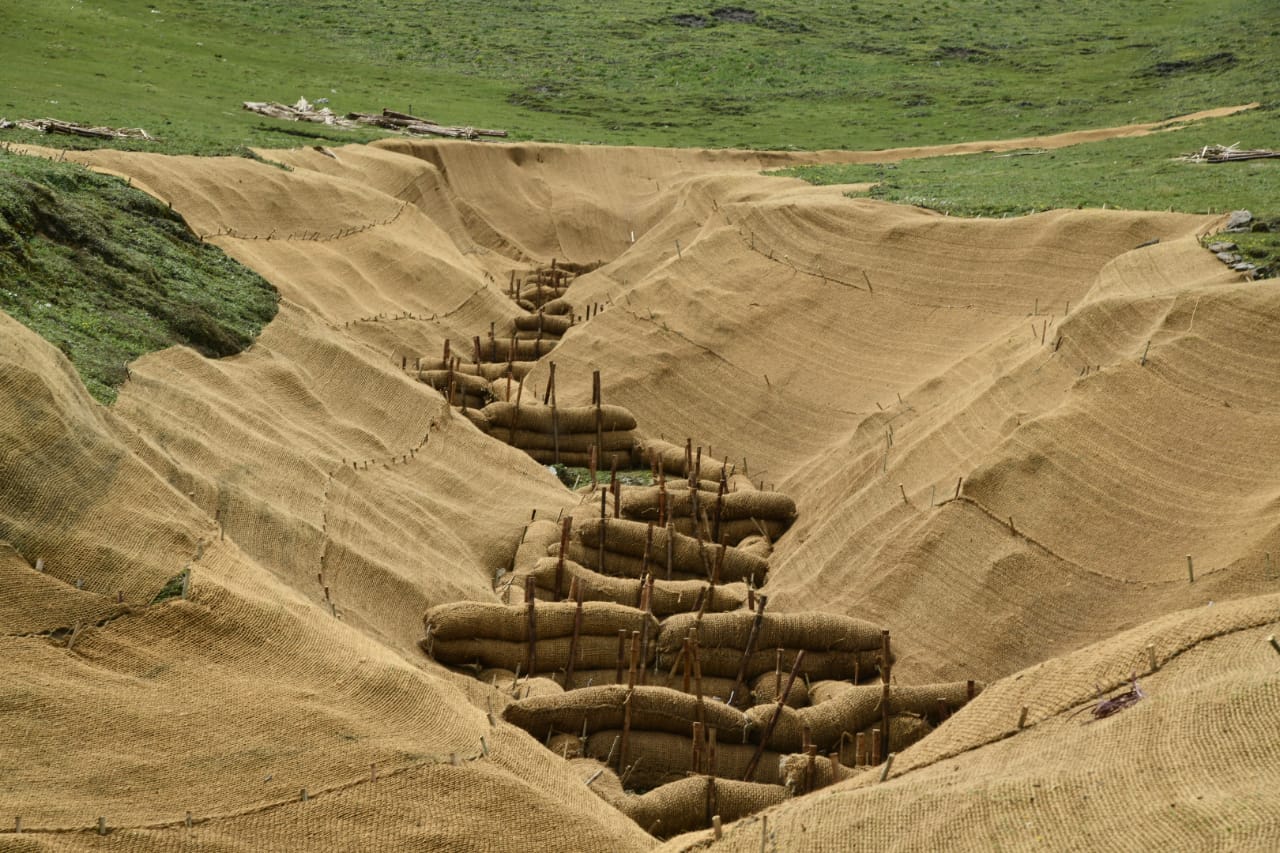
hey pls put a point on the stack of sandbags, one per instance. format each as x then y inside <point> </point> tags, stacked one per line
<point>646,731</point>
<point>714,512</point>
<point>655,758</point>
<point>519,369</point>
<point>539,288</point>
<point>682,460</point>
<point>593,709</point>
<point>519,686</point>
<point>857,709</point>
<point>802,773</point>
<point>515,349</point>
<point>539,430</point>
<point>836,647</point>
<point>689,804</point>
<point>493,635</point>
<point>625,543</point>
<point>666,597</point>
<point>541,326</point>
<point>539,535</point>
<point>465,389</point>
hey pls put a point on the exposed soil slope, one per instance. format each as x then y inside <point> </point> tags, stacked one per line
<point>323,500</point>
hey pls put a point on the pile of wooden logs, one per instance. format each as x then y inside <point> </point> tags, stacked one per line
<point>392,120</point>
<point>71,128</point>
<point>304,110</point>
<point>1228,154</point>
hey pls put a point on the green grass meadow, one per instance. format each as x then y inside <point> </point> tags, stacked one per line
<point>866,74</point>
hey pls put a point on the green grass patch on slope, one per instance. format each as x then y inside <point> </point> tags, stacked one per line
<point>770,74</point>
<point>106,273</point>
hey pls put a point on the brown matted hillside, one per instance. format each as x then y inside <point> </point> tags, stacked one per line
<point>1042,451</point>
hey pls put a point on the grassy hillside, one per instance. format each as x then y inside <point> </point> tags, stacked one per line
<point>864,74</point>
<point>106,273</point>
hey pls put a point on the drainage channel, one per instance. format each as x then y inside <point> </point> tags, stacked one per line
<point>640,647</point>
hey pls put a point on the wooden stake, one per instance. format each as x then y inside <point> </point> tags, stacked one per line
<point>515,415</point>
<point>573,639</point>
<point>697,678</point>
<point>662,498</point>
<point>604,526</point>
<point>671,545</point>
<point>1191,572</point>
<point>646,598</point>
<point>564,546</point>
<point>1151,657</point>
<point>959,480</point>
<point>1143,361</point>
<point>599,401</point>
<point>626,714</point>
<point>860,749</point>
<point>1022,717</point>
<point>750,773</point>
<point>1275,644</point>
<point>888,765</point>
<point>719,508</point>
<point>686,653</point>
<point>903,489</point>
<point>716,831</point>
<point>622,654</point>
<point>614,486</point>
<point>885,667</point>
<point>647,559</point>
<point>738,682</point>
<point>531,654</point>
<point>555,416</point>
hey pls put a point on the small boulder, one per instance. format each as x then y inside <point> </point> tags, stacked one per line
<point>1238,221</point>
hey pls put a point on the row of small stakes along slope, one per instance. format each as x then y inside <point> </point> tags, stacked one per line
<point>643,652</point>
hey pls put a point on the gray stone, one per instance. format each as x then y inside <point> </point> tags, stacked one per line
<point>1222,247</point>
<point>1243,266</point>
<point>1239,221</point>
<point>1229,258</point>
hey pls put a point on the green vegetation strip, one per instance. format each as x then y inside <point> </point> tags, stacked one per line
<point>106,273</point>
